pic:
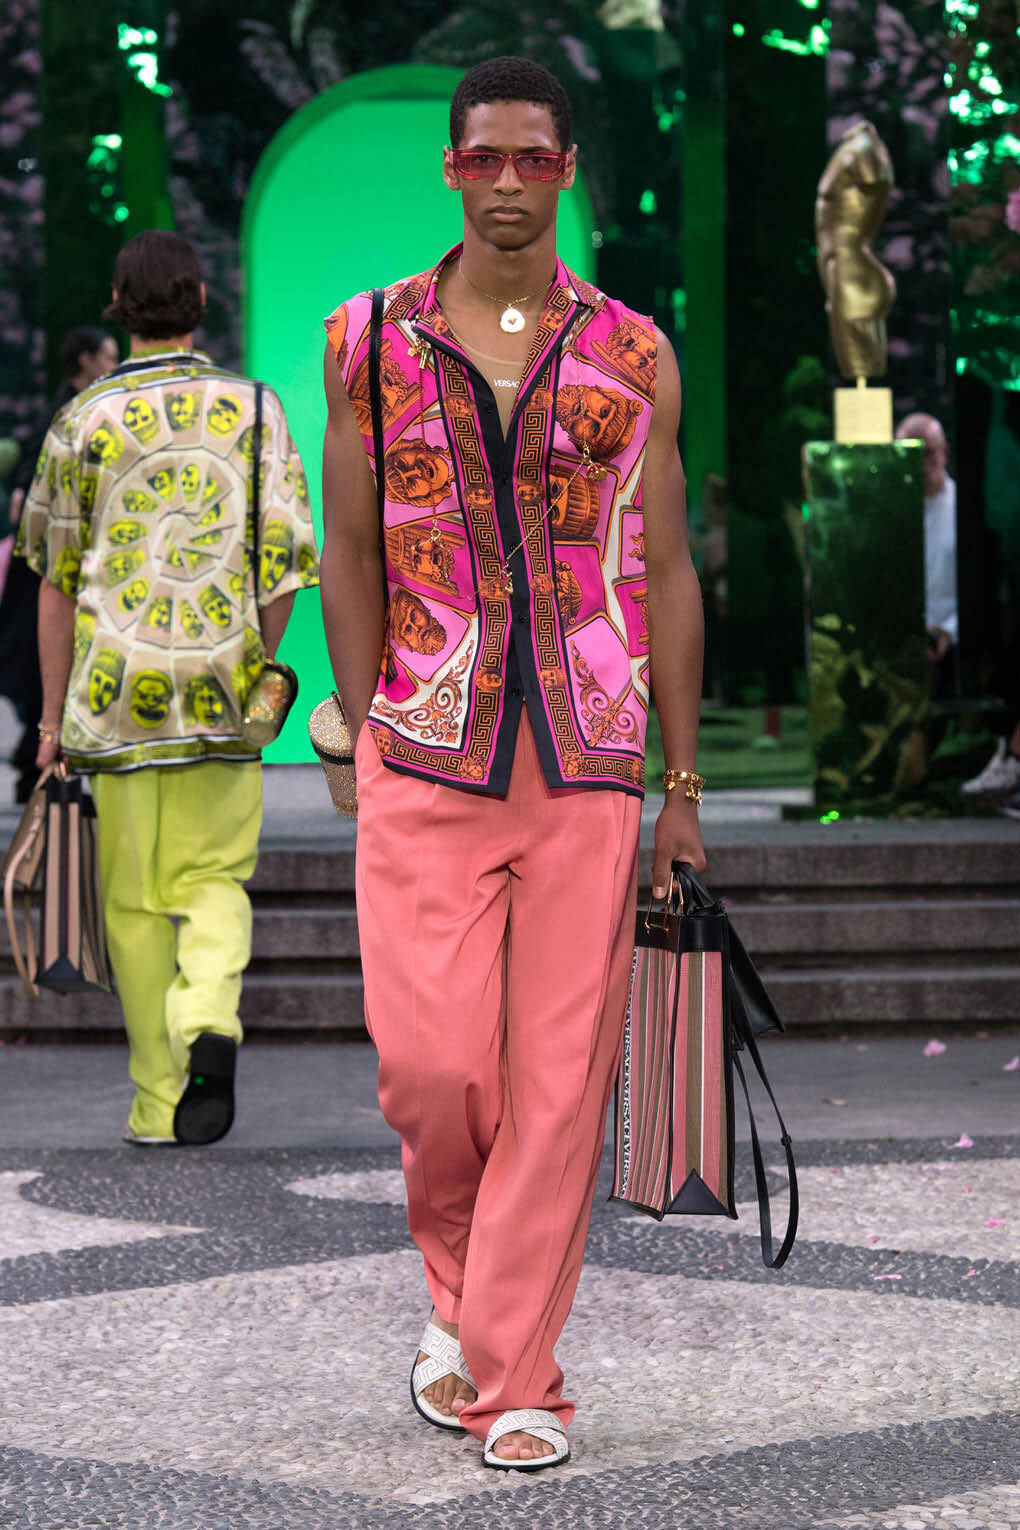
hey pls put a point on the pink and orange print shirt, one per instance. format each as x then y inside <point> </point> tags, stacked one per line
<point>570,642</point>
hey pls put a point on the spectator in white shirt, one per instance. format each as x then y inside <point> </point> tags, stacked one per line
<point>942,618</point>
<point>1001,775</point>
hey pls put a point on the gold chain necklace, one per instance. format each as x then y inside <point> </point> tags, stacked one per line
<point>511,320</point>
<point>513,366</point>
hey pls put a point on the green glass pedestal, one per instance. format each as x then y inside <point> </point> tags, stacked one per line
<point>867,669</point>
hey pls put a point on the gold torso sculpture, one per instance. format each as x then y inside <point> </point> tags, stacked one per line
<point>851,203</point>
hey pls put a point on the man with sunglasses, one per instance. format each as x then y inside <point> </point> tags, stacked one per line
<point>501,765</point>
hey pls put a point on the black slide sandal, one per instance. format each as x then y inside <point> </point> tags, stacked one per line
<point>205,1112</point>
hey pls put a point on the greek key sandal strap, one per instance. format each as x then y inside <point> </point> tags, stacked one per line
<point>537,1421</point>
<point>442,1350</point>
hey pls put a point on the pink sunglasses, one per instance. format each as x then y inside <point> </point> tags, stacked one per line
<point>487,164</point>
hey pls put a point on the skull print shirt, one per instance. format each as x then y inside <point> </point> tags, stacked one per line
<point>141,509</point>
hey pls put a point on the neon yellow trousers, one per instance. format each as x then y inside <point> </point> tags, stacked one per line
<point>175,848</point>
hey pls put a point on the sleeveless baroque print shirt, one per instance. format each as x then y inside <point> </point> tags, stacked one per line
<point>462,656</point>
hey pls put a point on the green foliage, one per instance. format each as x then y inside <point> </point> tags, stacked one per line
<point>984,81</point>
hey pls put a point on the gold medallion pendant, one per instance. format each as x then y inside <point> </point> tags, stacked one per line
<point>511,320</point>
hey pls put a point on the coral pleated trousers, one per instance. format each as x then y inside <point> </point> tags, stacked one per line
<point>497,935</point>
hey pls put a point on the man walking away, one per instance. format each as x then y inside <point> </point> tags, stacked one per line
<point>154,621</point>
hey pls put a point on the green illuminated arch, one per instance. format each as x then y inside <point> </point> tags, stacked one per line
<point>348,195</point>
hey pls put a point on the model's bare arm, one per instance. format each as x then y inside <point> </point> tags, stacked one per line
<point>351,570</point>
<point>273,620</point>
<point>675,622</point>
<point>56,646</point>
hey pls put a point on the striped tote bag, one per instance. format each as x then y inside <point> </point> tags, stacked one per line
<point>72,929</point>
<point>54,859</point>
<point>695,1004</point>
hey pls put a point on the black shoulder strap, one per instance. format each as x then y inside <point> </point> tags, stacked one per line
<point>256,484</point>
<point>375,391</point>
<point>761,1181</point>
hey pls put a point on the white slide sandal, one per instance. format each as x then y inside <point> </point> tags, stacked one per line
<point>537,1421</point>
<point>444,1357</point>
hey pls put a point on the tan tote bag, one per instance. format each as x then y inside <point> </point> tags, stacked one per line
<point>55,856</point>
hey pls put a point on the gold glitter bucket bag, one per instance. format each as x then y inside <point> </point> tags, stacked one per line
<point>327,726</point>
<point>332,742</point>
<point>269,701</point>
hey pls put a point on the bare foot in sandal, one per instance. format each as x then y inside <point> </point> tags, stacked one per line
<point>450,1394</point>
<point>519,1446</point>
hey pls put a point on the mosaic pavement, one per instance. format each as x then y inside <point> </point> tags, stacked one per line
<point>219,1340</point>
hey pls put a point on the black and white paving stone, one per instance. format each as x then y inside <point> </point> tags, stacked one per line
<point>218,1340</point>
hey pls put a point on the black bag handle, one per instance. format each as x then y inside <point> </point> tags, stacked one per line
<point>256,487</point>
<point>750,995</point>
<point>746,991</point>
<point>375,394</point>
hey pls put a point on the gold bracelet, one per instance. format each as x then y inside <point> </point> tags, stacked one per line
<point>671,780</point>
<point>49,735</point>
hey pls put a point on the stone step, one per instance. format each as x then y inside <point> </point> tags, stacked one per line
<point>274,1002</point>
<point>323,934</point>
<point>826,997</point>
<point>326,932</point>
<point>953,927</point>
<point>854,923</point>
<point>821,997</point>
<point>951,930</point>
<point>933,858</point>
<point>269,1003</point>
<point>930,864</point>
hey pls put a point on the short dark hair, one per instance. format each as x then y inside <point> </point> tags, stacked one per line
<point>82,340</point>
<point>158,285</point>
<point>510,79</point>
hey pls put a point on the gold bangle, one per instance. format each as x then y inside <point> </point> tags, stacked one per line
<point>49,735</point>
<point>671,780</point>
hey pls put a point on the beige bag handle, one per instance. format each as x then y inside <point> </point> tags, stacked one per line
<point>25,855</point>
